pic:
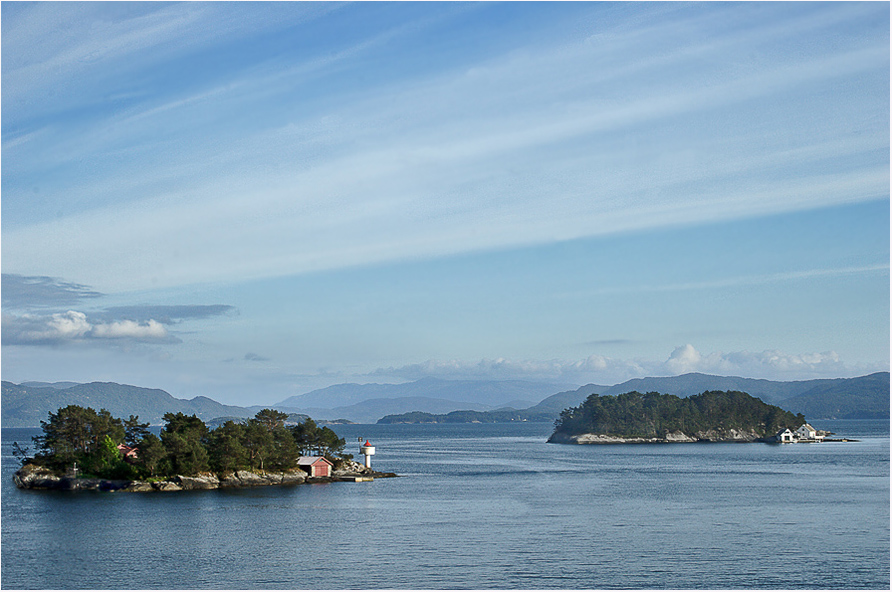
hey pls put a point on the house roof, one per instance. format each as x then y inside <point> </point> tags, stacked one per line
<point>312,460</point>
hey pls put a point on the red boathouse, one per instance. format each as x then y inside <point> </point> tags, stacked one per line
<point>315,466</point>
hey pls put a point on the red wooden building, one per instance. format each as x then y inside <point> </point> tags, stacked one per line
<point>315,466</point>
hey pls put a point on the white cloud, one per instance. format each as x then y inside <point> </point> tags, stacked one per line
<point>73,327</point>
<point>683,360</point>
<point>130,330</point>
<point>69,325</point>
<point>769,364</point>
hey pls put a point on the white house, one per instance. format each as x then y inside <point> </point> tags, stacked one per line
<point>785,436</point>
<point>806,432</point>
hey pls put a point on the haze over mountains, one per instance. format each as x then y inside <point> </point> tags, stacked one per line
<point>25,405</point>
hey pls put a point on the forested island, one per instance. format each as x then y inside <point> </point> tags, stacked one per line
<point>81,448</point>
<point>712,416</point>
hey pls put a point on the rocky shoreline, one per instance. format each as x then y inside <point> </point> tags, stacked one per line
<point>36,477</point>
<point>731,435</point>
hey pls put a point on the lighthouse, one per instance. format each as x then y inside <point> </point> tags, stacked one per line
<point>368,450</point>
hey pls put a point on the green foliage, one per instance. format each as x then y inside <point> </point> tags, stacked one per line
<point>134,431</point>
<point>185,447</point>
<point>653,415</point>
<point>182,438</point>
<point>226,451</point>
<point>258,441</point>
<point>284,452</point>
<point>311,439</point>
<point>270,418</point>
<point>151,455</point>
<point>106,462</point>
<point>75,434</point>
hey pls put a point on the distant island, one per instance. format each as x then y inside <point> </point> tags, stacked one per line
<point>81,448</point>
<point>499,416</point>
<point>712,416</point>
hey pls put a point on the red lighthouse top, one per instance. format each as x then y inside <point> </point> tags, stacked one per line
<point>366,443</point>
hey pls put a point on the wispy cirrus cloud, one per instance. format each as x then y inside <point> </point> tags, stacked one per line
<point>737,281</point>
<point>436,164</point>
<point>83,44</point>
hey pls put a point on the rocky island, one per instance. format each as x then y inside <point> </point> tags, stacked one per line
<point>712,416</point>
<point>82,449</point>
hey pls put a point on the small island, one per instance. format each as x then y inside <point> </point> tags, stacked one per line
<point>82,449</point>
<point>712,416</point>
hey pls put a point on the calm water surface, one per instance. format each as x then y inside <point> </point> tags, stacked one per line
<point>484,506</point>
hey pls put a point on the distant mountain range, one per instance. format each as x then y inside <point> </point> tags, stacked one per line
<point>484,394</point>
<point>865,397</point>
<point>26,404</point>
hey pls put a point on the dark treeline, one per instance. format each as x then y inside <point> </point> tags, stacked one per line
<point>185,447</point>
<point>654,415</point>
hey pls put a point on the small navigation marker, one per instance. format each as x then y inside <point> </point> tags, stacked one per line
<point>368,450</point>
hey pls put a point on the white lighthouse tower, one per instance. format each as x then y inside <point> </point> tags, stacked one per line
<point>368,450</point>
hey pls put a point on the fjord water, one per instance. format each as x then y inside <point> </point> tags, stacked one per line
<point>484,506</point>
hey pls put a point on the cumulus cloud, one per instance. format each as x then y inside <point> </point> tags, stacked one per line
<point>34,322</point>
<point>765,364</point>
<point>598,369</point>
<point>131,330</point>
<point>570,372</point>
<point>73,326</point>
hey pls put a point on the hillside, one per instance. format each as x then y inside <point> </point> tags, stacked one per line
<point>25,406</point>
<point>863,397</point>
<point>694,383</point>
<point>489,393</point>
<point>371,410</point>
<point>546,410</point>
<point>866,397</point>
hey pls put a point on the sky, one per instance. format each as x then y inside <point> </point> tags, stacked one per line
<point>249,201</point>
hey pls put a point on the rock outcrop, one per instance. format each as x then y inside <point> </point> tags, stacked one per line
<point>729,435</point>
<point>32,476</point>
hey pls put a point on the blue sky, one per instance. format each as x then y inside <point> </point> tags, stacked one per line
<point>248,201</point>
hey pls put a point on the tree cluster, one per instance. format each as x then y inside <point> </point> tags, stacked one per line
<point>82,437</point>
<point>653,415</point>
